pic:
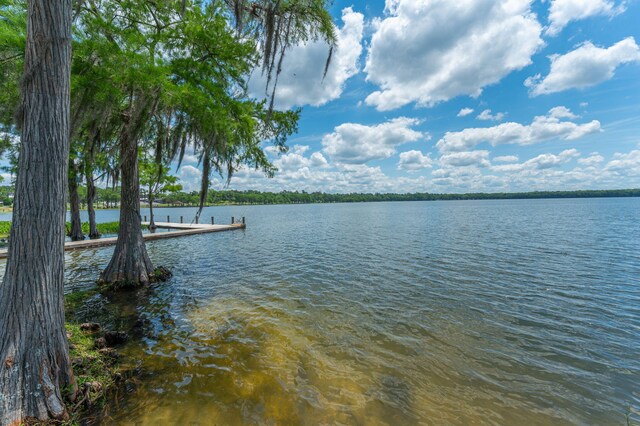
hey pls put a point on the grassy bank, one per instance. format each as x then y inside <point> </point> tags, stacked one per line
<point>95,369</point>
<point>103,228</point>
<point>95,366</point>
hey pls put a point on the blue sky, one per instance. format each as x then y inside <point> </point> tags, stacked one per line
<point>461,96</point>
<point>472,95</point>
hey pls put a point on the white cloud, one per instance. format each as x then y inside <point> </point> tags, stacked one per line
<point>625,164</point>
<point>541,129</point>
<point>592,160</point>
<point>562,112</point>
<point>301,82</point>
<point>428,51</point>
<point>341,178</point>
<point>506,159</point>
<point>457,172</point>
<point>318,160</point>
<point>561,12</point>
<point>466,158</point>
<point>486,115</point>
<point>465,111</point>
<point>414,160</point>
<point>585,66</point>
<point>190,177</point>
<point>541,162</point>
<point>357,143</point>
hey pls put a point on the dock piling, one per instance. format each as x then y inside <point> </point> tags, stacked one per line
<point>181,221</point>
<point>168,219</point>
<point>212,222</point>
<point>232,220</point>
<point>243,222</point>
<point>196,220</point>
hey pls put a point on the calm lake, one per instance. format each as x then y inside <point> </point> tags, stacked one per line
<point>459,312</point>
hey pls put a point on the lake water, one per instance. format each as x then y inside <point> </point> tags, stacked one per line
<point>518,312</point>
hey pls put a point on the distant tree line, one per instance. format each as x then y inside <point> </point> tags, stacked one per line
<point>110,197</point>
<point>288,197</point>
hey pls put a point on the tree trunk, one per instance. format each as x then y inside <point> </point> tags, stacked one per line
<point>91,195</point>
<point>74,202</point>
<point>34,352</point>
<point>152,223</point>
<point>130,264</point>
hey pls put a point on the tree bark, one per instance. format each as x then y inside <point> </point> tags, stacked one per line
<point>91,195</point>
<point>130,264</point>
<point>74,202</point>
<point>152,223</point>
<point>34,352</point>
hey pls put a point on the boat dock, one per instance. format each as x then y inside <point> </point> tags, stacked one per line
<point>180,230</point>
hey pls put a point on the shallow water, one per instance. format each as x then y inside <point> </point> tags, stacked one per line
<point>470,312</point>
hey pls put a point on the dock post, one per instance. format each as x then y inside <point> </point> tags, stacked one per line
<point>212,222</point>
<point>168,220</point>
<point>145,217</point>
<point>243,222</point>
<point>180,219</point>
<point>232,220</point>
<point>196,220</point>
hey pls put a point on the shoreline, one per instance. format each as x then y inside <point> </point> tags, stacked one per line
<point>408,197</point>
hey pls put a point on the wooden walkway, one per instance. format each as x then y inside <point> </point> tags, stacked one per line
<point>181,230</point>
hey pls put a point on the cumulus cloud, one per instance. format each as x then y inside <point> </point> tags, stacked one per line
<point>541,129</point>
<point>625,164</point>
<point>460,172</point>
<point>465,111</point>
<point>301,81</point>
<point>357,143</point>
<point>592,160</point>
<point>318,160</point>
<point>486,115</point>
<point>561,12</point>
<point>190,177</point>
<point>506,159</point>
<point>338,178</point>
<point>415,58</point>
<point>561,112</point>
<point>541,162</point>
<point>585,66</point>
<point>466,158</point>
<point>414,160</point>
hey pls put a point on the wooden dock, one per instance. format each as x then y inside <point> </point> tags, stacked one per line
<point>181,230</point>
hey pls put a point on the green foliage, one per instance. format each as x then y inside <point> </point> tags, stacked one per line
<point>5,228</point>
<point>287,197</point>
<point>13,26</point>
<point>155,179</point>
<point>278,25</point>
<point>96,368</point>
<point>103,228</point>
<point>295,197</point>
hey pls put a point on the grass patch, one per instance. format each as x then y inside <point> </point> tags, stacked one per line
<point>5,228</point>
<point>103,228</point>
<point>72,301</point>
<point>89,364</point>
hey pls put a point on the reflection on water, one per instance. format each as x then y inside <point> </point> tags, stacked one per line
<point>496,312</point>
